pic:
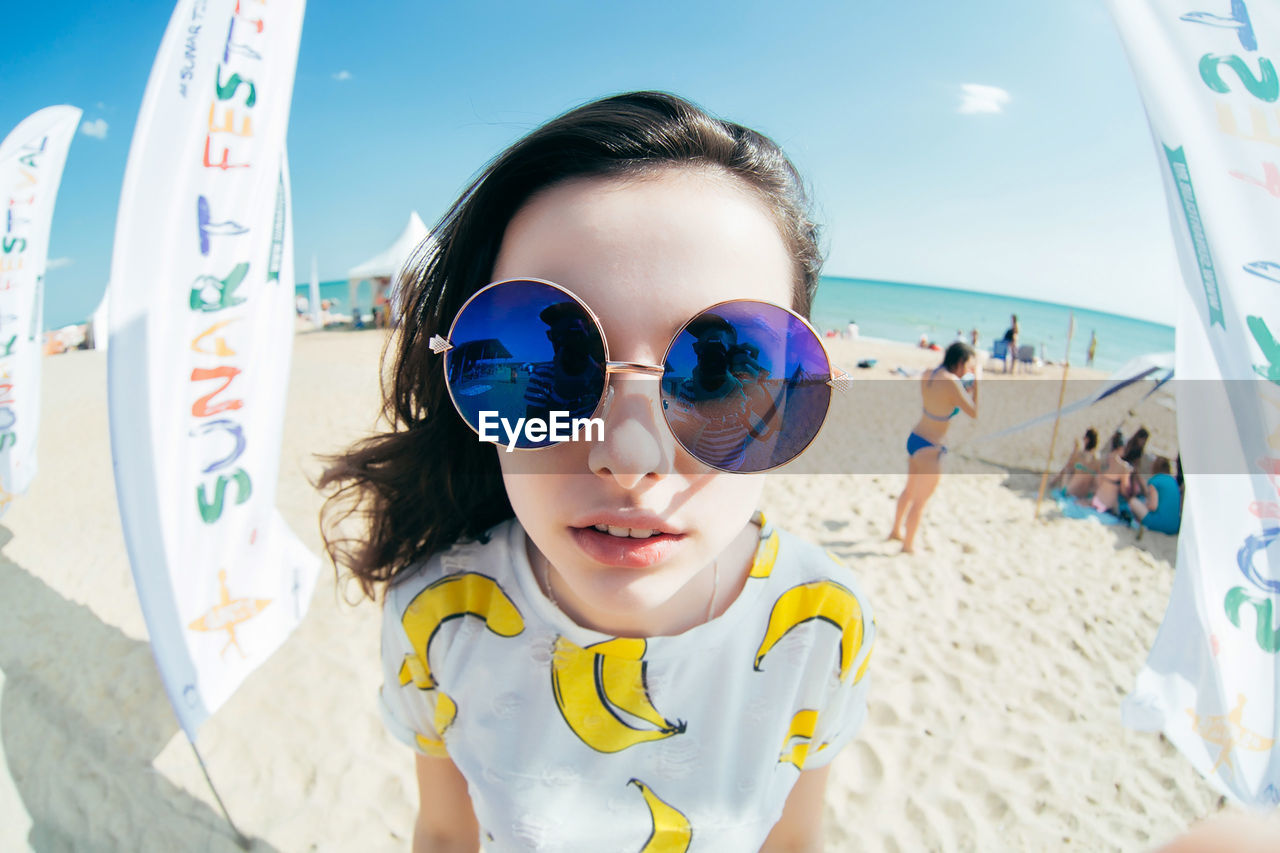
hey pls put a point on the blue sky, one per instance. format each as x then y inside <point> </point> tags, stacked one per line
<point>994,145</point>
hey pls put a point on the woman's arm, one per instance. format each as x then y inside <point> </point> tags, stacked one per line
<point>1071,463</point>
<point>446,821</point>
<point>967,400</point>
<point>799,830</point>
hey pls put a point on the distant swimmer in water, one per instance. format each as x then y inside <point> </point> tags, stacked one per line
<point>943,396</point>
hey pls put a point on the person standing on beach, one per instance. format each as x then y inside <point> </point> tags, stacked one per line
<point>1093,349</point>
<point>1011,341</point>
<point>944,396</point>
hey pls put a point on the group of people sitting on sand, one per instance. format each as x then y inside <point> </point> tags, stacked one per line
<point>1119,482</point>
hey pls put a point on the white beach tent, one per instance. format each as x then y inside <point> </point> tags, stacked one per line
<point>387,263</point>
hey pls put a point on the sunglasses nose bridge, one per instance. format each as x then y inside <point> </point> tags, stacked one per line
<point>637,443</point>
<point>639,368</point>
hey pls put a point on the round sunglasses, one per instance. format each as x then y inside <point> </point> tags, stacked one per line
<point>745,385</point>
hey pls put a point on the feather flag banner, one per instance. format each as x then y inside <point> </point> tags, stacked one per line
<point>1206,70</point>
<point>201,318</point>
<point>31,161</point>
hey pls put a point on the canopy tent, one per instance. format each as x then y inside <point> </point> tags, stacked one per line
<point>1156,366</point>
<point>382,267</point>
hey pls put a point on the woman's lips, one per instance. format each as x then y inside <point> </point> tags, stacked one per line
<point>625,552</point>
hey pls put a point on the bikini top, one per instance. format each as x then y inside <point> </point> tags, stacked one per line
<point>931,415</point>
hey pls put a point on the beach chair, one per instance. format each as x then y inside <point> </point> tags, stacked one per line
<point>1027,355</point>
<point>999,349</point>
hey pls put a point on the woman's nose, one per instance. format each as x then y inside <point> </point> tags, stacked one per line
<point>637,446</point>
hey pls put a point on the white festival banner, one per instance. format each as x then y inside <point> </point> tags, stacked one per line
<point>31,161</point>
<point>201,318</point>
<point>1206,70</point>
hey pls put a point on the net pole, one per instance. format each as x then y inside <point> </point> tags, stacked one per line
<point>1062,393</point>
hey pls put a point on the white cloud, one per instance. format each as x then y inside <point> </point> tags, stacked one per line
<point>344,74</point>
<point>58,263</point>
<point>976,99</point>
<point>97,128</point>
<point>101,106</point>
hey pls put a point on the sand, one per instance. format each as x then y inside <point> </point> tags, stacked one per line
<point>1006,645</point>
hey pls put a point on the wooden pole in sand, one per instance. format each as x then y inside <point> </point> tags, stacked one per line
<point>1062,392</point>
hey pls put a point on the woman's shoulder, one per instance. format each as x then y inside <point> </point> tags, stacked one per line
<point>488,559</point>
<point>801,562</point>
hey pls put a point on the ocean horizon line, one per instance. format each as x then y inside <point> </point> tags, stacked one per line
<point>994,293</point>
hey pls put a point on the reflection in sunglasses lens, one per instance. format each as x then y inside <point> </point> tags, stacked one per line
<point>745,387</point>
<point>502,361</point>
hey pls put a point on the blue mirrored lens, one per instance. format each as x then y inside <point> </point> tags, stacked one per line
<point>745,386</point>
<point>525,350</point>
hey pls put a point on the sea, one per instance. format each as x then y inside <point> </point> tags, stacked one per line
<point>903,312</point>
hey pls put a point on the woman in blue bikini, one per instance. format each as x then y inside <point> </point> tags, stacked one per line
<point>944,397</point>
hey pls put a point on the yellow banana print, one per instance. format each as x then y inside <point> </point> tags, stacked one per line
<point>766,556</point>
<point>432,746</point>
<point>862,668</point>
<point>446,712</point>
<point>803,725</point>
<point>451,597</point>
<point>592,685</point>
<point>622,676</point>
<point>827,601</point>
<point>671,830</point>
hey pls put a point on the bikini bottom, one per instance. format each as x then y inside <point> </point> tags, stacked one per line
<point>1121,511</point>
<point>916,443</point>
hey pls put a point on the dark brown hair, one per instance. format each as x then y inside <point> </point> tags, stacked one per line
<point>1136,446</point>
<point>956,355</point>
<point>1090,438</point>
<point>427,482</point>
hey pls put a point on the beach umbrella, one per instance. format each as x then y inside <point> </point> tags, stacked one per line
<point>1209,684</point>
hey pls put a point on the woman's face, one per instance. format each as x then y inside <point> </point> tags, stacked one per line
<point>646,254</point>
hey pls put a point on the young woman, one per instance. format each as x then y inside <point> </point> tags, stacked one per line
<point>579,636</point>
<point>1081,471</point>
<point>1160,505</point>
<point>1116,480</point>
<point>943,397</point>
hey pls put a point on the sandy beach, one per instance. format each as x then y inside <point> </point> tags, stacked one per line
<point>1006,645</point>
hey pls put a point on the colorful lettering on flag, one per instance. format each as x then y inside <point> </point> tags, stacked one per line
<point>1206,70</point>
<point>202,306</point>
<point>31,161</point>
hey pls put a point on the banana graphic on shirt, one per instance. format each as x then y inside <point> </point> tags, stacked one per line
<point>452,597</point>
<point>671,830</point>
<point>445,712</point>
<point>766,556</point>
<point>826,601</point>
<point>595,687</point>
<point>795,746</point>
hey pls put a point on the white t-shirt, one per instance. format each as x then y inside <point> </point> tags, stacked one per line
<point>570,739</point>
